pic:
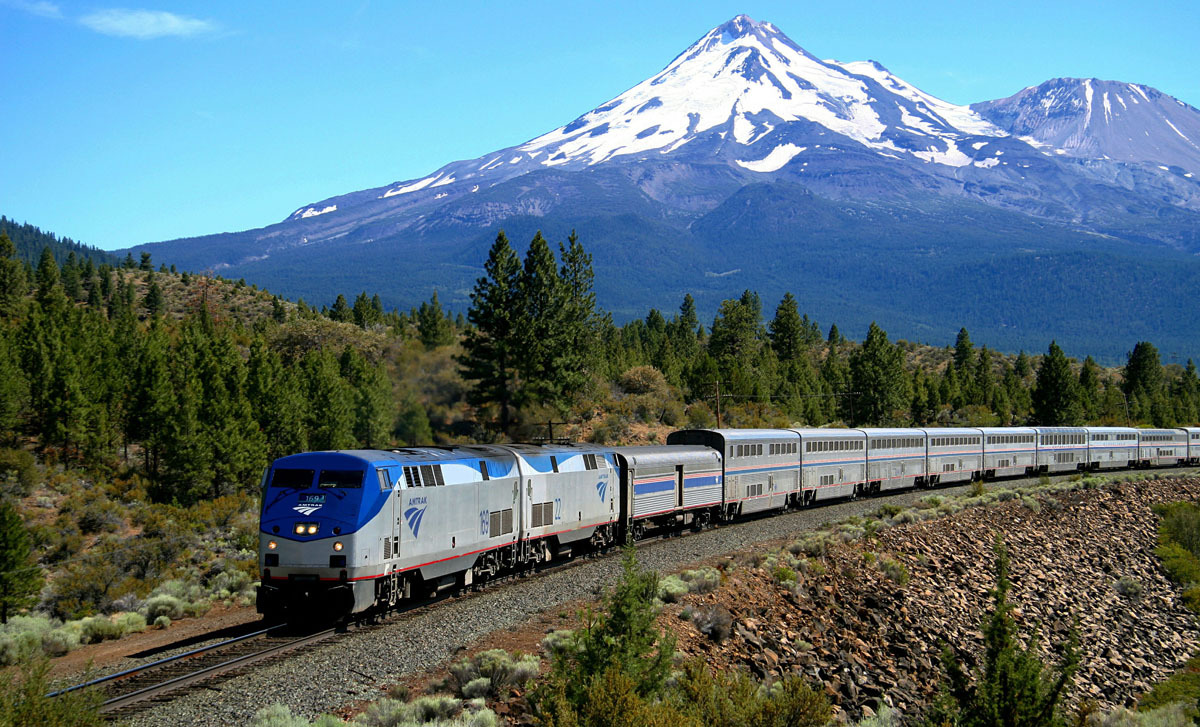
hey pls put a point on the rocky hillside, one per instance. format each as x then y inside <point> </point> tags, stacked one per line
<point>871,632</point>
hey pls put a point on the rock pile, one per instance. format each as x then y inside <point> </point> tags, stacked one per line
<point>871,641</point>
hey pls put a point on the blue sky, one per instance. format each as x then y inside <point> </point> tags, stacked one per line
<point>125,124</point>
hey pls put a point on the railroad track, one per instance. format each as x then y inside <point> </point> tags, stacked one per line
<point>134,689</point>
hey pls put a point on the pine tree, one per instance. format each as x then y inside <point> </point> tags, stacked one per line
<point>1144,379</point>
<point>153,300</point>
<point>542,336</point>
<point>1055,397</point>
<point>374,414</point>
<point>579,319</point>
<point>12,279</point>
<point>331,403</point>
<point>787,330</point>
<point>14,390</point>
<point>146,264</point>
<point>20,577</point>
<point>341,310</point>
<point>433,328</point>
<point>276,399</point>
<point>490,347</point>
<point>877,375</point>
<point>1089,390</point>
<point>964,354</point>
<point>984,385</point>
<point>71,281</point>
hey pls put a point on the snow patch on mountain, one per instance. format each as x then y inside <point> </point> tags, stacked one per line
<point>313,211</point>
<point>774,161</point>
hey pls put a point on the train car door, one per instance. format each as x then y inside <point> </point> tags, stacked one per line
<point>679,486</point>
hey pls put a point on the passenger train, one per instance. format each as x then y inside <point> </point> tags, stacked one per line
<point>353,533</point>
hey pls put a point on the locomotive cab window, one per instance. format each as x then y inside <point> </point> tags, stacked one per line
<point>341,479</point>
<point>292,479</point>
<point>385,480</point>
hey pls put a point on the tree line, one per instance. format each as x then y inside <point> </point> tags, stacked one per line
<point>536,336</point>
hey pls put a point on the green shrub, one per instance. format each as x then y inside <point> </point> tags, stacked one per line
<point>163,605</point>
<point>1032,503</point>
<point>887,510</point>
<point>1179,714</point>
<point>894,570</point>
<point>23,700</point>
<point>558,641</point>
<point>671,588</point>
<point>1181,524</point>
<point>1128,586</point>
<point>1182,686</point>
<point>785,575</point>
<point>162,622</point>
<point>99,628</point>
<point>130,623</point>
<point>976,490</point>
<point>497,668</point>
<point>702,580</point>
<point>19,473</point>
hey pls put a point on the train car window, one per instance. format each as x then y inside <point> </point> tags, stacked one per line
<point>483,470</point>
<point>759,450</point>
<point>343,479</point>
<point>292,479</point>
<point>385,480</point>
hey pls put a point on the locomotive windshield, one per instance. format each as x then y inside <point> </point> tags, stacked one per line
<point>341,478</point>
<point>292,479</point>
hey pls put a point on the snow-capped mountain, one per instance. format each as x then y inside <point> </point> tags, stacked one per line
<point>746,141</point>
<point>1096,119</point>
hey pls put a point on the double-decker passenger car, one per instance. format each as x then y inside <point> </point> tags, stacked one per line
<point>1162,447</point>
<point>1008,451</point>
<point>955,455</point>
<point>833,462</point>
<point>1111,447</point>
<point>895,458</point>
<point>1061,449</point>
<point>761,466</point>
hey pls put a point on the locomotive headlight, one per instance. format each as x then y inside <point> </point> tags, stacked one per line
<point>312,529</point>
<point>337,545</point>
<point>272,545</point>
<point>299,528</point>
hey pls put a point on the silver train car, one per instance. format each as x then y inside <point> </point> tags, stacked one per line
<point>353,533</point>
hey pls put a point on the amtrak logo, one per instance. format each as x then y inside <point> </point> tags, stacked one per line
<point>602,489</point>
<point>306,510</point>
<point>413,517</point>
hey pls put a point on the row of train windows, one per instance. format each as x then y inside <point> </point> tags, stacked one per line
<point>303,479</point>
<point>1053,439</point>
<point>784,448</point>
<point>901,443</point>
<point>1114,437</point>
<point>1010,439</point>
<point>745,450</point>
<point>1158,437</point>
<point>952,441</point>
<point>835,446</point>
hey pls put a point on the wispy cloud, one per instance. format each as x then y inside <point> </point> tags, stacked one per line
<point>41,9</point>
<point>146,24</point>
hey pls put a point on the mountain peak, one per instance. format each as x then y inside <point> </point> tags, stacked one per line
<point>741,26</point>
